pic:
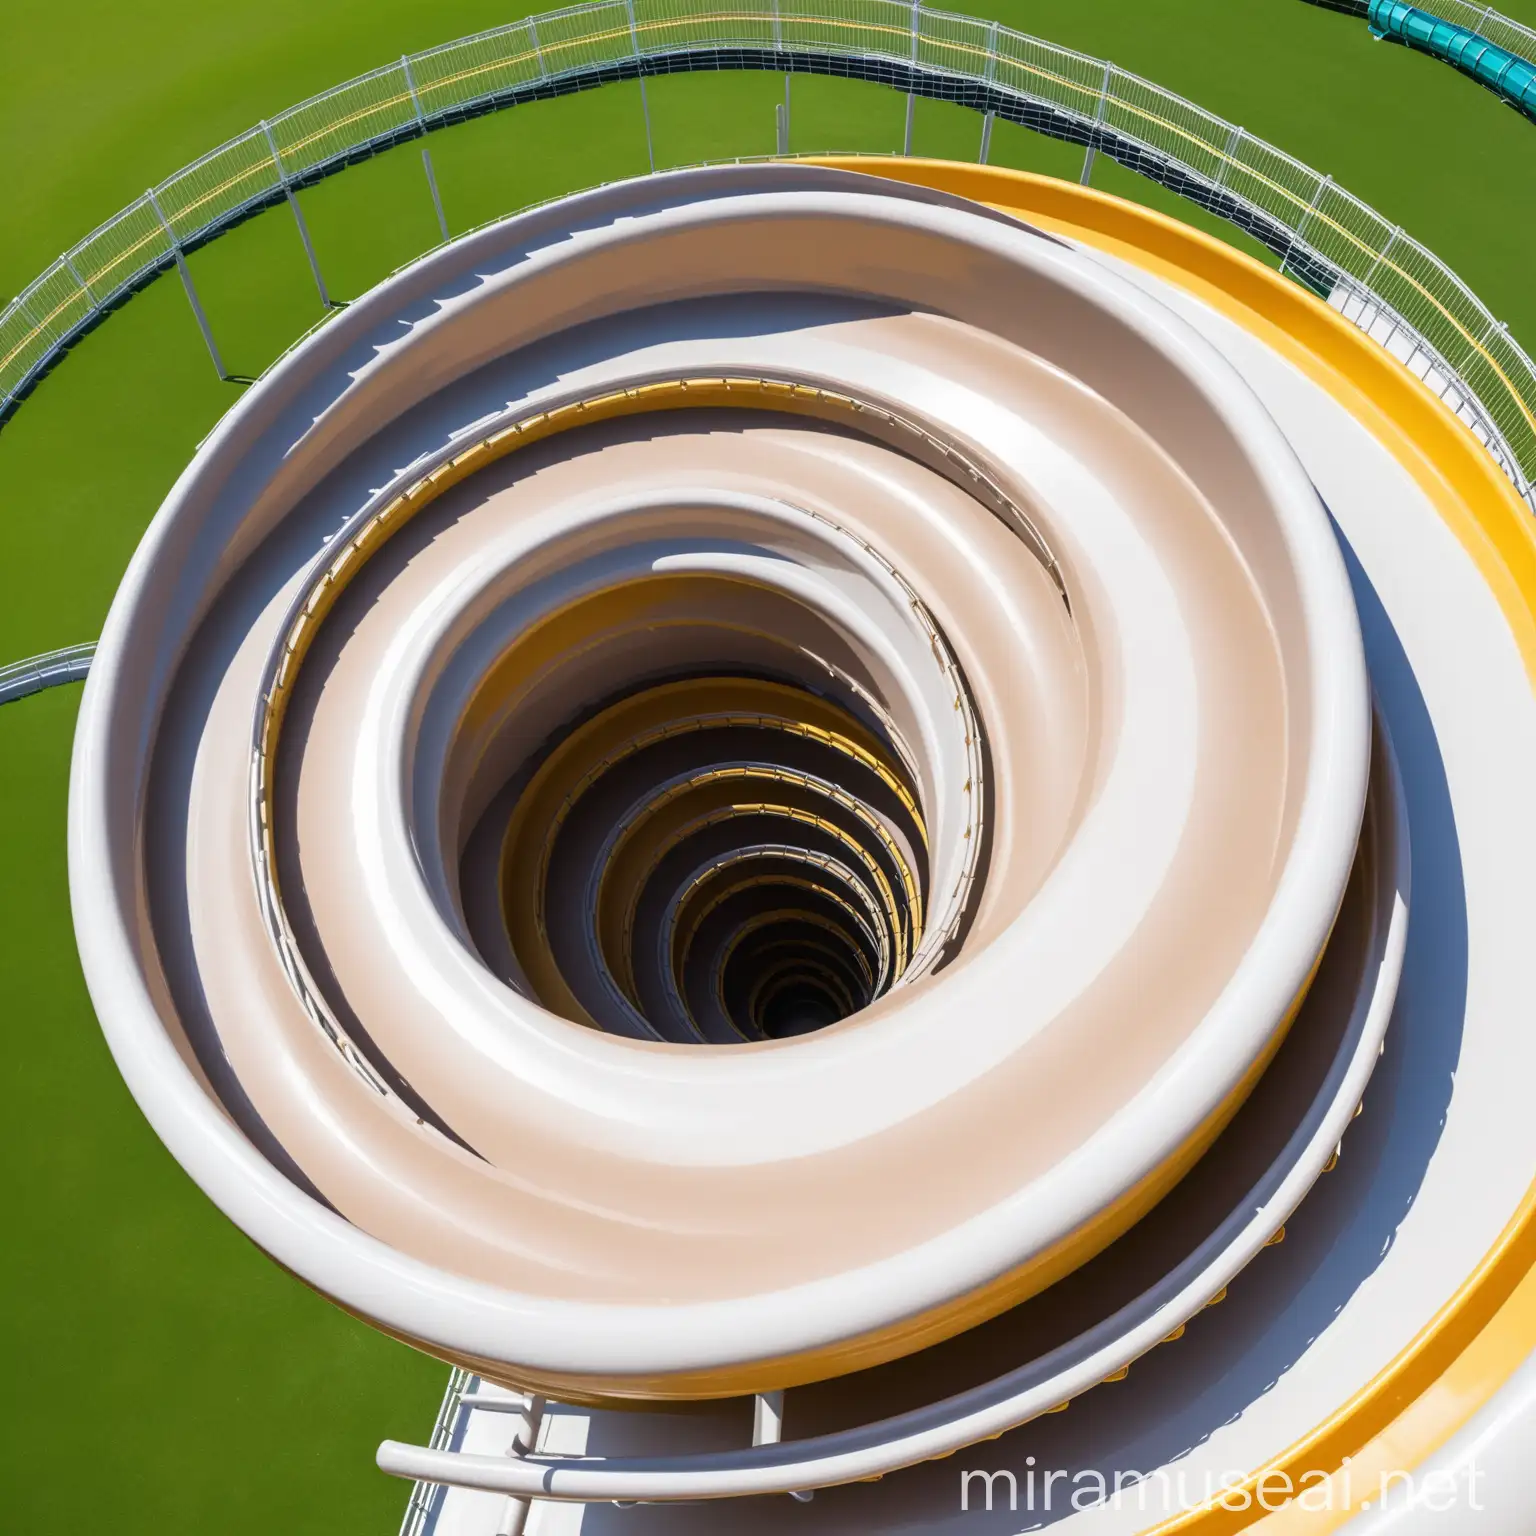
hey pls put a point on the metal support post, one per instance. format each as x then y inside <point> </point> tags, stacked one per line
<point>1098,120</point>
<point>780,130</point>
<point>1382,255</point>
<point>1306,218</point>
<point>514,1518</point>
<point>645,106</point>
<point>410,85</point>
<point>437,201</point>
<point>1317,197</point>
<point>1228,156</point>
<point>768,1429</point>
<point>298,215</point>
<point>787,79</point>
<point>85,287</point>
<point>538,52</point>
<point>906,142</point>
<point>426,157</point>
<point>990,74</point>
<point>778,29</point>
<point>186,282</point>
<point>768,1418</point>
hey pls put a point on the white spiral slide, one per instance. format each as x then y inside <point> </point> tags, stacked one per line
<point>773,808</point>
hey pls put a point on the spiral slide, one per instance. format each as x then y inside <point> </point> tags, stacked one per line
<point>790,812</point>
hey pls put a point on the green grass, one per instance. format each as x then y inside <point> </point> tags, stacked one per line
<point>233,1399</point>
<point>163,1374</point>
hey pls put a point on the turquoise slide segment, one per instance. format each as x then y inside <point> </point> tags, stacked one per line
<point>1511,76</point>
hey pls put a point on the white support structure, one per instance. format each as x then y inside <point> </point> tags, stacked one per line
<point>645,105</point>
<point>1098,119</point>
<point>437,197</point>
<point>767,1418</point>
<point>298,215</point>
<point>989,74</point>
<point>191,289</point>
<point>1229,155</point>
<point>906,143</point>
<point>85,287</point>
<point>529,1414</point>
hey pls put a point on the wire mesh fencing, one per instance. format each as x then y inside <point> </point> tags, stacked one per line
<point>1502,31</point>
<point>1325,236</point>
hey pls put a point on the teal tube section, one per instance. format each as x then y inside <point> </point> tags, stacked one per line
<point>1511,76</point>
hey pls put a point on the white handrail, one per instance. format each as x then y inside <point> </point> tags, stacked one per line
<point>34,673</point>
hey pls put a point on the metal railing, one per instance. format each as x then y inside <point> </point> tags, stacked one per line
<point>425,1497</point>
<point>1326,237</point>
<point>1502,31</point>
<point>35,673</point>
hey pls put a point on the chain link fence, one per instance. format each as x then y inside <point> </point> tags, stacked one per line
<point>1325,236</point>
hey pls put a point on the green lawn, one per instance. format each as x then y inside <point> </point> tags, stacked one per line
<point>163,1375</point>
<point>231,1398</point>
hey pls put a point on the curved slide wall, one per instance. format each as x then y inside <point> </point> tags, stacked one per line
<point>767,779</point>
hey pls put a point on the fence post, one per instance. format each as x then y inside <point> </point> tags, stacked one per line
<point>410,85</point>
<point>186,282</point>
<point>437,199</point>
<point>1098,119</point>
<point>1228,155</point>
<point>298,214</point>
<point>85,287</point>
<point>1317,197</point>
<point>645,106</point>
<point>1382,255</point>
<point>426,156</point>
<point>1299,232</point>
<point>989,73</point>
<point>906,143</point>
